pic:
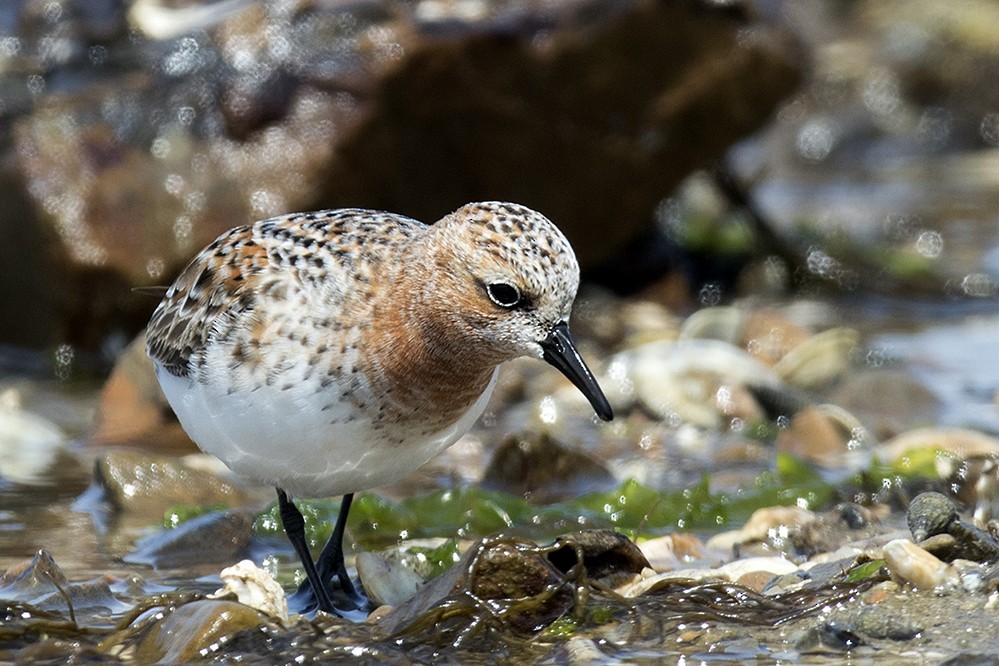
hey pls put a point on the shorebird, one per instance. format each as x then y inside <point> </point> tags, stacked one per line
<point>329,352</point>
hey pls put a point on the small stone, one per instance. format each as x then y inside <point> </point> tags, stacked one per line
<point>218,537</point>
<point>535,465</point>
<point>142,484</point>
<point>917,567</point>
<point>387,582</point>
<point>879,623</point>
<point>193,631</point>
<point>762,525</point>
<point>880,593</point>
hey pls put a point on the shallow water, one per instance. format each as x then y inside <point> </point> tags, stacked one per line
<point>891,204</point>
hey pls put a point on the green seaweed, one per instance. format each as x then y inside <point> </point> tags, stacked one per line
<point>631,508</point>
<point>867,570</point>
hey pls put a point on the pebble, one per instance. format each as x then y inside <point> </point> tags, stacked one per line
<point>29,443</point>
<point>387,582</point>
<point>917,567</point>
<point>193,631</point>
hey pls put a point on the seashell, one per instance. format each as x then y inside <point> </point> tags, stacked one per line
<point>819,360</point>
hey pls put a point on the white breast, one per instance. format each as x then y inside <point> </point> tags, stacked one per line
<point>285,438</point>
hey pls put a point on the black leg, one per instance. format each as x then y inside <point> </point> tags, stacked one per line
<point>294,527</point>
<point>331,559</point>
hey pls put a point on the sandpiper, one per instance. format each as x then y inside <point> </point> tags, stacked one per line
<point>329,352</point>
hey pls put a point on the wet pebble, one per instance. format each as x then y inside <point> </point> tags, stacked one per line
<point>217,537</point>
<point>828,436</point>
<point>30,445</point>
<point>147,485</point>
<point>533,464</point>
<point>915,566</point>
<point>768,523</point>
<point>893,625</point>
<point>672,550</point>
<point>192,631</point>
<point>387,581</point>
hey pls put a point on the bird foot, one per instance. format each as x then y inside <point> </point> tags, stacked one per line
<point>349,604</point>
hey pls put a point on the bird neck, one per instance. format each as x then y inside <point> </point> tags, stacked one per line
<point>426,353</point>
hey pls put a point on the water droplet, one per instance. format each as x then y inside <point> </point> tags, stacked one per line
<point>816,139</point>
<point>548,410</point>
<point>155,267</point>
<point>186,115</point>
<point>710,293</point>
<point>929,244</point>
<point>989,128</point>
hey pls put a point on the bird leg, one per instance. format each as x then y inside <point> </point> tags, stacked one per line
<point>331,559</point>
<point>327,585</point>
<point>294,527</point>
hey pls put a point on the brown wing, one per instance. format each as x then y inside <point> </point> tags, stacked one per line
<point>218,283</point>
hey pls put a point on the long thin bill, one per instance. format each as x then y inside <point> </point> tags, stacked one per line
<point>560,351</point>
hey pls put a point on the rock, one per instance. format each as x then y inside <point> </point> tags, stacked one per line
<point>813,436</point>
<point>133,410</point>
<point>501,571</point>
<point>603,553</point>
<point>671,550</point>
<point>386,582</point>
<point>217,537</point>
<point>30,445</point>
<point>846,522</point>
<point>766,523</point>
<point>141,484</point>
<point>536,466</point>
<point>769,335</point>
<point>41,583</point>
<point>529,582</point>
<point>917,567</point>
<point>877,623</point>
<point>206,123</point>
<point>32,579</point>
<point>192,631</point>
<point>829,436</point>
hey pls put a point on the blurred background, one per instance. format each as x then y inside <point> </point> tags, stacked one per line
<point>786,215</point>
<point>698,150</point>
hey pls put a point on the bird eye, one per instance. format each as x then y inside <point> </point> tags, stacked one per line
<point>503,294</point>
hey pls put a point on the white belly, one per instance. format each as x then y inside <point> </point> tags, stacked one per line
<point>285,439</point>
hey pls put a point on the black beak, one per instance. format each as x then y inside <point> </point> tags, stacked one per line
<point>560,351</point>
